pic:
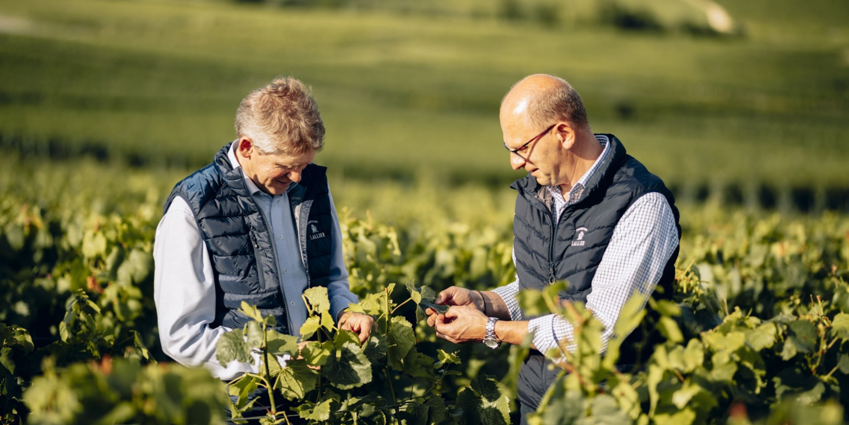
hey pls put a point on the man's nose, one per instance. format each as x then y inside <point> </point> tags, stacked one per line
<point>516,161</point>
<point>295,176</point>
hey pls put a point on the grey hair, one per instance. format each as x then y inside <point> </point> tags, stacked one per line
<point>281,117</point>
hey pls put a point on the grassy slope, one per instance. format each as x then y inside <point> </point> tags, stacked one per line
<point>399,93</point>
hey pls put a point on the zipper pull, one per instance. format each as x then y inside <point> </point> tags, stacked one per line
<point>551,275</point>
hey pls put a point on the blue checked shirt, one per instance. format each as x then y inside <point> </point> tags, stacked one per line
<point>643,241</point>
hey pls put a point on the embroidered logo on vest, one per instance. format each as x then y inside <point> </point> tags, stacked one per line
<point>315,233</point>
<point>580,241</point>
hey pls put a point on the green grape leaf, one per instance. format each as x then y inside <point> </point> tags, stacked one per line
<point>606,411</point>
<point>724,367</point>
<point>414,292</point>
<point>317,299</point>
<point>279,344</point>
<point>793,383</point>
<point>840,326</point>
<point>718,342</point>
<point>762,337</point>
<point>310,327</point>
<point>231,346</point>
<point>243,388</point>
<point>484,402</point>
<point>375,348</point>
<point>348,366</point>
<point>135,268</point>
<point>253,331</point>
<point>440,309</point>
<point>296,380</point>
<point>315,412</point>
<point>317,354</point>
<point>400,340</point>
<point>94,244</point>
<point>327,321</point>
<point>667,308</point>
<point>436,410</point>
<point>801,338</point>
<point>372,305</point>
<point>669,329</point>
<point>843,363</point>
<point>445,357</point>
<point>251,311</point>
<point>418,365</point>
<point>685,416</point>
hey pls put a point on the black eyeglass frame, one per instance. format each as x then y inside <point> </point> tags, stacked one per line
<point>521,148</point>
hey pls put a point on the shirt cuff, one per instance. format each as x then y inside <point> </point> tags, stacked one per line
<point>509,294</point>
<point>542,329</point>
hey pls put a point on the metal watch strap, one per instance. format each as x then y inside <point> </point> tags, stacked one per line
<point>490,339</point>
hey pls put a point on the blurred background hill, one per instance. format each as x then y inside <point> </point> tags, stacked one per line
<point>744,102</point>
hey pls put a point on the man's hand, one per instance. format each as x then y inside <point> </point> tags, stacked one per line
<point>459,324</point>
<point>358,323</point>
<point>456,296</point>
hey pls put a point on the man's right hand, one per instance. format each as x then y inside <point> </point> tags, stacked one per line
<point>455,296</point>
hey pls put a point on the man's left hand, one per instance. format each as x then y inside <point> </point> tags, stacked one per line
<point>460,324</point>
<point>358,323</point>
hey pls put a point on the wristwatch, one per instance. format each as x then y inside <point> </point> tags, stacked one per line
<point>490,340</point>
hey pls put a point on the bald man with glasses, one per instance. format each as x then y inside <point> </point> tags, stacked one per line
<point>587,212</point>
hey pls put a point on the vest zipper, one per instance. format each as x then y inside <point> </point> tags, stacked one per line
<point>551,277</point>
<point>259,267</point>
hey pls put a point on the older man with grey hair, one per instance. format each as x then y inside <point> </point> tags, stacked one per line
<point>587,212</point>
<point>257,225</point>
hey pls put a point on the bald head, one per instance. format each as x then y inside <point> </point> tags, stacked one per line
<point>540,100</point>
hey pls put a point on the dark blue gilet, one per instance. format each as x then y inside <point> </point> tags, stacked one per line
<point>239,240</point>
<point>572,248</point>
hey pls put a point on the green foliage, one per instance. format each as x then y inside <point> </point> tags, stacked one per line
<point>352,370</point>
<point>756,331</point>
<point>124,391</point>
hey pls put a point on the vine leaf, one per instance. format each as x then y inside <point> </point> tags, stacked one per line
<point>310,326</point>
<point>445,357</point>
<point>231,346</point>
<point>315,412</point>
<point>400,340</point>
<point>279,344</point>
<point>317,354</point>
<point>802,338</point>
<point>296,380</point>
<point>348,366</point>
<point>375,348</point>
<point>485,402</point>
<point>253,332</point>
<point>840,326</point>
<point>418,365</point>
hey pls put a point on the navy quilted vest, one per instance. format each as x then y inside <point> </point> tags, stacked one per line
<point>239,240</point>
<point>572,248</point>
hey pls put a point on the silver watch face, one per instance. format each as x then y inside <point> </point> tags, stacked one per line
<point>491,343</point>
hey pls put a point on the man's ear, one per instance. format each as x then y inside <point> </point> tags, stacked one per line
<point>244,147</point>
<point>567,135</point>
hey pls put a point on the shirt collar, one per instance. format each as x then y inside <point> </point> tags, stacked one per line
<point>252,187</point>
<point>582,182</point>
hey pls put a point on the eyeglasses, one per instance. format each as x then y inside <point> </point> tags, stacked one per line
<point>523,147</point>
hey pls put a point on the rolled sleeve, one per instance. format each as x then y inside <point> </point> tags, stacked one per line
<point>338,288</point>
